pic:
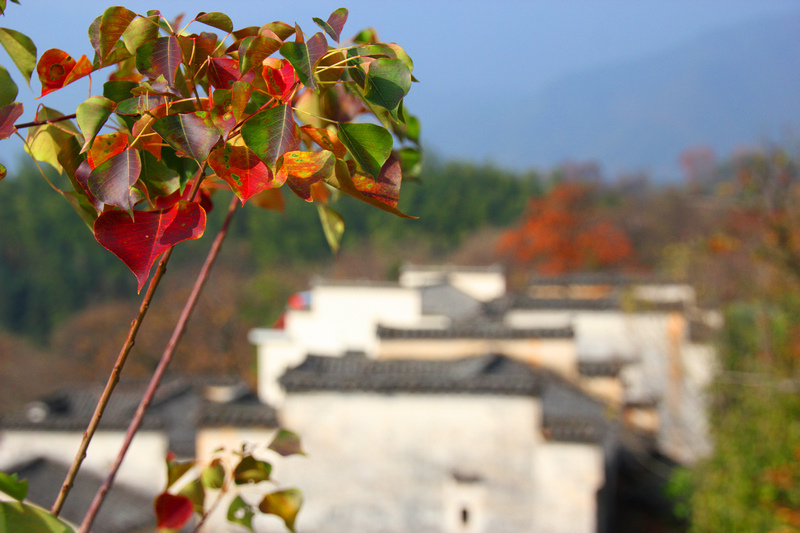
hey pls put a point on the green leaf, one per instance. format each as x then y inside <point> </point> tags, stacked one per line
<point>13,486</point>
<point>281,29</point>
<point>191,133</point>
<point>304,56</point>
<point>287,443</point>
<point>45,142</point>
<point>251,470</point>
<point>138,32</point>
<point>240,168</point>
<point>8,116</point>
<point>221,21</point>
<point>21,50</point>
<point>91,115</point>
<point>410,162</point>
<point>196,493</point>
<point>113,23</point>
<point>157,177</point>
<point>112,181</point>
<point>176,469</point>
<point>241,513</point>
<point>369,144</point>
<point>213,476</point>
<point>118,90</point>
<point>3,172</point>
<point>26,517</point>
<point>387,83</point>
<point>8,89</point>
<point>160,57</point>
<point>254,50</point>
<point>283,503</point>
<point>271,133</point>
<point>303,169</point>
<point>334,24</point>
<point>332,226</point>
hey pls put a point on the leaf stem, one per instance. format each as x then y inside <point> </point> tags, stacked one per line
<point>166,358</point>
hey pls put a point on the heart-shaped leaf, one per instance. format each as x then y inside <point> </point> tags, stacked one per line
<point>138,32</point>
<point>254,50</point>
<point>44,142</point>
<point>221,21</point>
<point>302,169</point>
<point>196,493</point>
<point>173,511</point>
<point>387,83</point>
<point>379,194</point>
<point>333,26</point>
<point>369,144</point>
<point>113,23</point>
<point>160,57</point>
<point>271,133</point>
<point>283,503</point>
<point>176,469</point>
<point>286,443</point>
<point>57,69</point>
<point>240,168</point>
<point>223,72</point>
<point>21,50</point>
<point>191,133</point>
<point>105,147</point>
<point>139,242</point>
<point>304,56</point>
<point>240,96</point>
<point>91,115</point>
<point>112,181</point>
<point>251,470</point>
<point>157,177</point>
<point>271,199</point>
<point>24,516</point>
<point>239,512</point>
<point>213,476</point>
<point>8,116</point>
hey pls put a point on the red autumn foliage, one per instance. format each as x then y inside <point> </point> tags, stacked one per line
<point>563,232</point>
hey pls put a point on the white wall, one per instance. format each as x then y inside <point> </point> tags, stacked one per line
<point>143,467</point>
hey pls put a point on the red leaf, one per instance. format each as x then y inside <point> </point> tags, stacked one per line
<point>139,242</point>
<point>111,181</point>
<point>160,57</point>
<point>223,72</point>
<point>56,69</point>
<point>386,188</point>
<point>326,139</point>
<point>242,170</point>
<point>280,77</point>
<point>173,511</point>
<point>8,115</point>
<point>301,170</point>
<point>104,147</point>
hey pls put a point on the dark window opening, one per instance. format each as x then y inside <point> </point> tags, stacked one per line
<point>464,516</point>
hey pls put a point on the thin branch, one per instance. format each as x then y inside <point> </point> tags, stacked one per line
<point>113,379</point>
<point>166,358</point>
<point>43,122</point>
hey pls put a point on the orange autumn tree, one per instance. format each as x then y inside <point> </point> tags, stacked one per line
<point>564,231</point>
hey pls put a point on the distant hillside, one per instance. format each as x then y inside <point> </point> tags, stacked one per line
<point>726,89</point>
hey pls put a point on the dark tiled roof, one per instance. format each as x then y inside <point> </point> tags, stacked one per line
<point>569,415</point>
<point>521,301</point>
<point>355,373</point>
<point>597,278</point>
<point>477,330</point>
<point>247,411</point>
<point>606,368</point>
<point>124,510</point>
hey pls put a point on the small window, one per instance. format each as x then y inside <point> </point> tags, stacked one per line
<point>464,516</point>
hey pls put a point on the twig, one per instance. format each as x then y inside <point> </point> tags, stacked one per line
<point>113,379</point>
<point>43,122</point>
<point>166,358</point>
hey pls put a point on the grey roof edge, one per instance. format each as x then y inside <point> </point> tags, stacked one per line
<point>487,331</point>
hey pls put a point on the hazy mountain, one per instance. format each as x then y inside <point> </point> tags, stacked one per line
<point>727,89</point>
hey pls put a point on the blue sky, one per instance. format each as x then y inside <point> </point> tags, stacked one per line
<point>467,54</point>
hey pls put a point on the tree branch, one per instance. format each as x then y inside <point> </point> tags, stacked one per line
<point>43,122</point>
<point>166,358</point>
<point>113,379</point>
